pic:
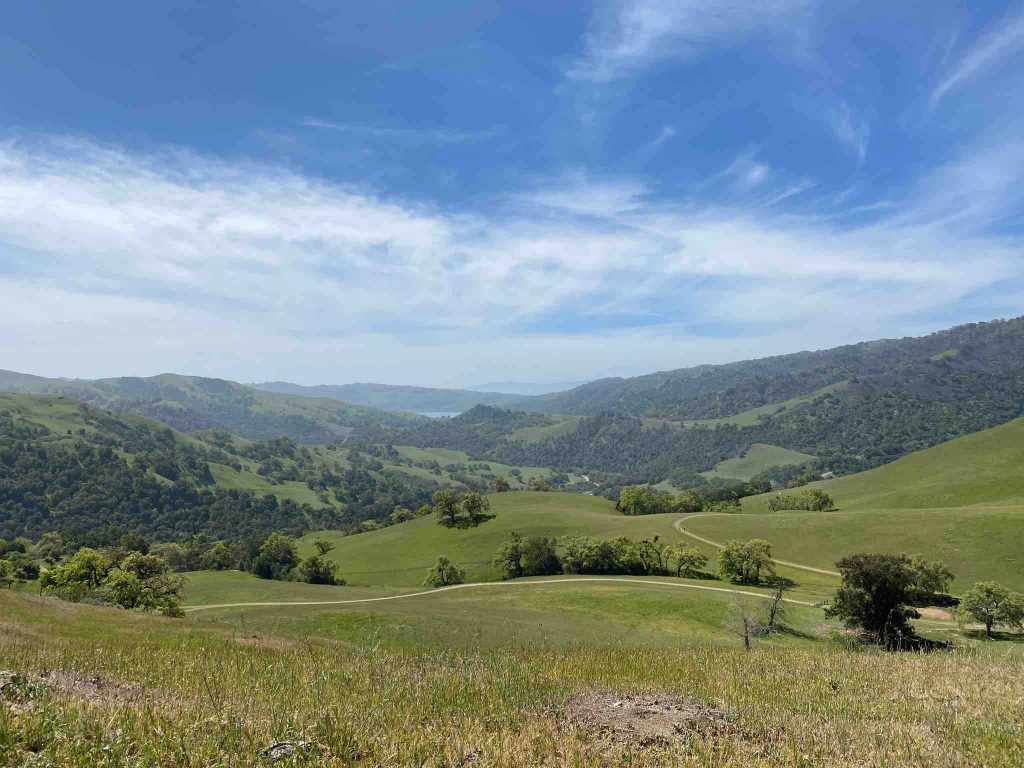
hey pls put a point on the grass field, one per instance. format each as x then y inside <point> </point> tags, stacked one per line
<point>756,460</point>
<point>133,689</point>
<point>401,554</point>
<point>753,416</point>
<point>961,502</point>
<point>543,612</point>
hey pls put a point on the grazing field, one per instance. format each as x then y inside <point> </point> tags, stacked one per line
<point>757,459</point>
<point>983,468</point>
<point>961,502</point>
<point>518,477</point>
<point>976,543</point>
<point>105,687</point>
<point>554,611</point>
<point>751,417</point>
<point>401,554</point>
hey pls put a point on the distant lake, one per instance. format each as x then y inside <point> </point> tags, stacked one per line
<point>439,414</point>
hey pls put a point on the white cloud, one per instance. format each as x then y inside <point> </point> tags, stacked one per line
<point>852,130</point>
<point>438,135</point>
<point>114,262</point>
<point>999,43</point>
<point>629,35</point>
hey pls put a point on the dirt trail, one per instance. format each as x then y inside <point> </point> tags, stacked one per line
<point>546,582</point>
<point>678,525</point>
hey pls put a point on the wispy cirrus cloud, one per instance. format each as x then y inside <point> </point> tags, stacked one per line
<point>986,52</point>
<point>438,135</point>
<point>627,36</point>
<point>102,244</point>
<point>852,130</point>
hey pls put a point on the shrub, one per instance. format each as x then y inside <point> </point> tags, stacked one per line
<point>444,573</point>
<point>811,500</point>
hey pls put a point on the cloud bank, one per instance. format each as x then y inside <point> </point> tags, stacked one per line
<point>120,262</point>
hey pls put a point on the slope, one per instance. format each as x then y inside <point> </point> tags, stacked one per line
<point>190,403</point>
<point>961,502</point>
<point>400,555</point>
<point>68,466</point>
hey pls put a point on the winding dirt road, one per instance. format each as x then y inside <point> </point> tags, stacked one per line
<point>546,582</point>
<point>678,525</point>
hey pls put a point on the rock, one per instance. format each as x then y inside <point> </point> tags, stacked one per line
<point>281,749</point>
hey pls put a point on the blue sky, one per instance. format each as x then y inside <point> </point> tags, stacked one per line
<point>445,193</point>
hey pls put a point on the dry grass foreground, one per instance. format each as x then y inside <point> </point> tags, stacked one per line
<point>215,702</point>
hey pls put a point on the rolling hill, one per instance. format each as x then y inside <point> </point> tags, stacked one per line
<point>961,502</point>
<point>190,403</point>
<point>390,397</point>
<point>853,408</point>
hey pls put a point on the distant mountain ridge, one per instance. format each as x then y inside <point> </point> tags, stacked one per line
<point>528,389</point>
<point>396,397</point>
<point>190,403</point>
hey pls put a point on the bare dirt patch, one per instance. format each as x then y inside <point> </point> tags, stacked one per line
<point>20,689</point>
<point>646,719</point>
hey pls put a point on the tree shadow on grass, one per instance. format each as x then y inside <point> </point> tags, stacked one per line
<point>462,522</point>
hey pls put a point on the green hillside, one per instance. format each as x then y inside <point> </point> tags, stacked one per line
<point>961,502</point>
<point>400,555</point>
<point>390,397</point>
<point>190,403</point>
<point>757,458</point>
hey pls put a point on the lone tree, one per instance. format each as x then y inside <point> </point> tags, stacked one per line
<point>990,603</point>
<point>742,621</point>
<point>500,485</point>
<point>444,573</point>
<point>476,506</point>
<point>776,614</point>
<point>446,505</point>
<point>873,598</point>
<point>745,562</point>
<point>323,546</point>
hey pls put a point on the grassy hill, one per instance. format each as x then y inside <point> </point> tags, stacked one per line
<point>190,403</point>
<point>400,555</point>
<point>757,459</point>
<point>961,502</point>
<point>390,397</point>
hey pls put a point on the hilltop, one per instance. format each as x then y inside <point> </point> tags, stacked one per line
<point>391,397</point>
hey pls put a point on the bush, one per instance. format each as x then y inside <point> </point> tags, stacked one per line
<point>811,500</point>
<point>444,573</point>
<point>317,570</point>
<point>140,582</point>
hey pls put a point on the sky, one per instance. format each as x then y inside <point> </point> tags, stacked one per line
<point>445,193</point>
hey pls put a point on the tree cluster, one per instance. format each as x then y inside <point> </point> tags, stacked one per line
<point>137,581</point>
<point>543,556</point>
